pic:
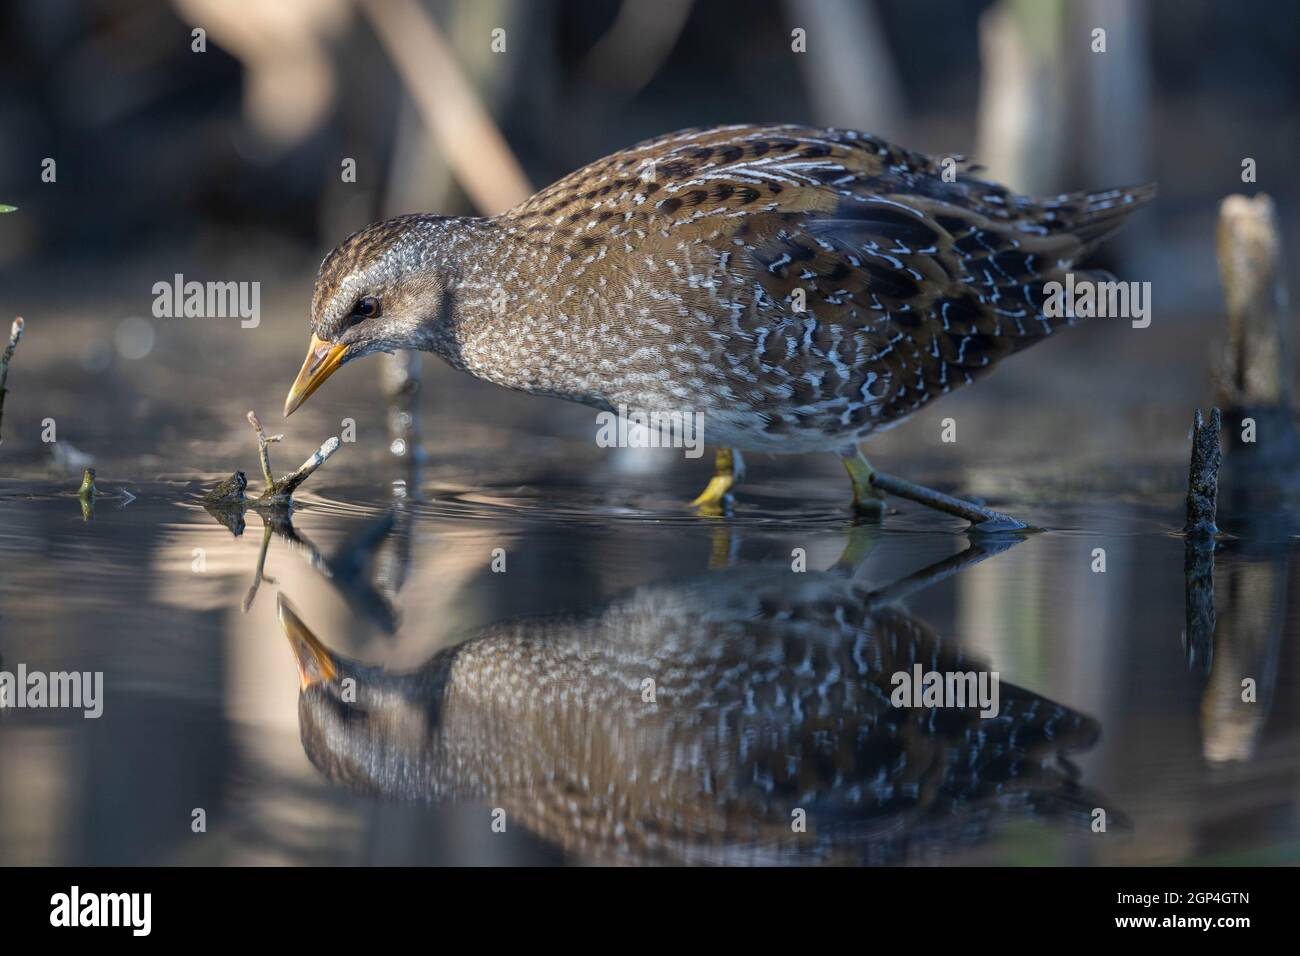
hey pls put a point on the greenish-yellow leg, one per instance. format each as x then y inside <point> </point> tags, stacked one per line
<point>870,487</point>
<point>728,469</point>
<point>867,498</point>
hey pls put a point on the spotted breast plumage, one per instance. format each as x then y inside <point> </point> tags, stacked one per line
<point>801,288</point>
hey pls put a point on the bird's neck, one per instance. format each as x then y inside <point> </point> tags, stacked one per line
<point>515,308</point>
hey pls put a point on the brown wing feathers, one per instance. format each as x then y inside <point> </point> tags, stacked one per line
<point>912,285</point>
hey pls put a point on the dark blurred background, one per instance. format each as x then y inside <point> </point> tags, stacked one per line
<point>167,153</point>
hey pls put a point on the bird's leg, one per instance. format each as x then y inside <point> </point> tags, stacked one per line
<point>982,519</point>
<point>729,468</point>
<point>867,498</point>
<point>870,487</point>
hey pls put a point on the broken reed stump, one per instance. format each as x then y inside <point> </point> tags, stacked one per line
<point>228,492</point>
<point>225,502</point>
<point>1203,478</point>
<point>86,493</point>
<point>1200,533</point>
<point>87,489</point>
<point>15,336</point>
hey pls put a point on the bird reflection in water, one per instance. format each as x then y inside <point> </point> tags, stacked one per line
<point>691,722</point>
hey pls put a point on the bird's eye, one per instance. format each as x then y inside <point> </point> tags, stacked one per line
<point>367,307</point>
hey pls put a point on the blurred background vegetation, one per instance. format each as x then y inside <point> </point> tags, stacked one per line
<point>164,150</point>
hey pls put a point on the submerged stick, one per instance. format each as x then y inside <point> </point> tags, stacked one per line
<point>15,336</point>
<point>1203,478</point>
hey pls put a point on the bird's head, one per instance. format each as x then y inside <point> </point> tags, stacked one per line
<point>366,727</point>
<point>381,289</point>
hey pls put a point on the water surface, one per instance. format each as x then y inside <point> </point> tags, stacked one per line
<point>518,694</point>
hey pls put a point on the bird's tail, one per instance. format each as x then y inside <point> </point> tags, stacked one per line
<point>1091,217</point>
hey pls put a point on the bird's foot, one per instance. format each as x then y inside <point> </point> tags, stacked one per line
<point>870,507</point>
<point>713,499</point>
<point>868,500</point>
<point>729,468</point>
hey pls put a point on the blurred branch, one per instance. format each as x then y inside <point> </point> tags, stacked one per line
<point>1114,98</point>
<point>15,336</point>
<point>1022,110</point>
<point>1247,644</point>
<point>630,53</point>
<point>849,70</point>
<point>1256,371</point>
<point>290,80</point>
<point>475,149</point>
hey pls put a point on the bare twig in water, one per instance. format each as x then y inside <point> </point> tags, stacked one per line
<point>280,490</point>
<point>346,571</point>
<point>288,484</point>
<point>259,573</point>
<point>263,449</point>
<point>227,501</point>
<point>15,336</point>
<point>1203,479</point>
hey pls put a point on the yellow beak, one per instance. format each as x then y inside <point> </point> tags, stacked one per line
<point>322,359</point>
<point>315,663</point>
